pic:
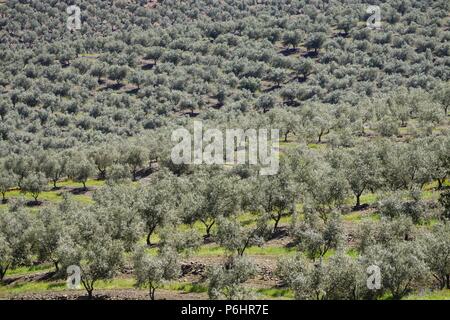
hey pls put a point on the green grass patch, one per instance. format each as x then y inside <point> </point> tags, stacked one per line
<point>276,293</point>
<point>50,196</point>
<point>186,287</point>
<point>73,184</point>
<point>353,217</point>
<point>83,199</point>
<point>358,216</point>
<point>430,295</point>
<point>32,287</point>
<point>46,267</point>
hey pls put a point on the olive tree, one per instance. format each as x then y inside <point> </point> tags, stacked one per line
<point>303,68</point>
<point>116,209</point>
<point>292,38</point>
<point>7,181</point>
<point>401,265</point>
<point>226,281</point>
<point>327,190</point>
<point>157,203</point>
<point>405,166</point>
<point>15,238</point>
<point>316,238</point>
<point>437,253</point>
<point>284,120</point>
<point>34,184</point>
<point>438,162</point>
<point>21,166</point>
<point>153,271</point>
<point>445,202</point>
<point>237,238</point>
<point>442,95</point>
<point>89,247</point>
<point>384,232</point>
<point>55,167</point>
<point>135,157</point>
<point>339,278</point>
<point>80,169</point>
<point>48,232</point>
<point>214,195</point>
<point>265,102</point>
<point>275,195</point>
<point>117,73</point>
<point>181,241</point>
<point>362,172</point>
<point>315,41</point>
<point>103,157</point>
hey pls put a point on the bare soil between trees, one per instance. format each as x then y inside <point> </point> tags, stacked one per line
<point>113,294</point>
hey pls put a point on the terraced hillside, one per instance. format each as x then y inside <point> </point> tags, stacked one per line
<point>88,180</point>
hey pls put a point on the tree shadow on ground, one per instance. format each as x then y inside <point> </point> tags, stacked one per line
<point>289,51</point>
<point>79,191</point>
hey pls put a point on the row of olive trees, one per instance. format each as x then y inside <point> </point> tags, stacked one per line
<point>325,179</point>
<point>44,87</point>
<point>407,258</point>
<point>405,115</point>
<point>32,173</point>
<point>96,237</point>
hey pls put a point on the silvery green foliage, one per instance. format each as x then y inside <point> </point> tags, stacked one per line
<point>275,196</point>
<point>439,159</point>
<point>265,103</point>
<point>436,246</point>
<point>402,265</point>
<point>49,230</point>
<point>34,184</point>
<point>284,120</point>
<point>103,158</point>
<point>91,245</point>
<point>227,281</point>
<point>327,191</point>
<point>292,38</point>
<point>80,169</point>
<point>55,167</point>
<point>236,238</point>
<point>135,157</point>
<point>213,194</point>
<point>152,271</point>
<point>405,166</point>
<point>291,269</point>
<point>157,203</point>
<point>7,181</point>
<point>442,95</point>
<point>316,237</point>
<point>99,257</point>
<point>179,241</point>
<point>445,202</point>
<point>116,209</point>
<point>118,173</point>
<point>362,170</point>
<point>393,207</point>
<point>384,232</point>
<point>339,278</point>
<point>21,166</point>
<point>346,278</point>
<point>6,256</point>
<point>16,238</point>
